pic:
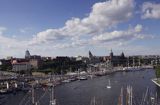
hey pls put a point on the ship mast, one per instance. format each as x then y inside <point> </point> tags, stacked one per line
<point>33,95</point>
<point>129,95</point>
<point>52,96</point>
<point>120,101</point>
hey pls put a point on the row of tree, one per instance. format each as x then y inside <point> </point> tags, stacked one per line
<point>61,67</point>
<point>157,71</point>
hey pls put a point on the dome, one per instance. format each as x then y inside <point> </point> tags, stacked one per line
<point>27,54</point>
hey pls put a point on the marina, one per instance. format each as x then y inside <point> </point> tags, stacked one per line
<point>24,83</point>
<point>82,92</point>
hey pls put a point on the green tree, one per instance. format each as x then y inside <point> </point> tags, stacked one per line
<point>158,71</point>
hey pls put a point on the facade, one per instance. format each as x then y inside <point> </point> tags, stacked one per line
<point>22,66</point>
<point>34,60</point>
<point>36,63</point>
<point>120,60</point>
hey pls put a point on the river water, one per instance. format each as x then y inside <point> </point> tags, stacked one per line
<point>82,92</point>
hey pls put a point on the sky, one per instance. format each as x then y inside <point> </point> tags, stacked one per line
<point>73,27</point>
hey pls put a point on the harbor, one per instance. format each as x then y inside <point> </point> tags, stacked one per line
<point>82,92</point>
<point>15,82</point>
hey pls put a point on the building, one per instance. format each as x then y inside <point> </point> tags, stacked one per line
<point>35,57</point>
<point>118,60</point>
<point>34,60</point>
<point>27,54</point>
<point>90,55</point>
<point>36,63</point>
<point>46,58</point>
<point>93,59</point>
<point>83,59</point>
<point>21,66</point>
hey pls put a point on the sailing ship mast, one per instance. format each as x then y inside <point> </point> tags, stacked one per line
<point>33,95</point>
<point>133,62</point>
<point>129,96</point>
<point>128,62</point>
<point>139,62</point>
<point>52,98</point>
<point>120,100</point>
<point>93,101</point>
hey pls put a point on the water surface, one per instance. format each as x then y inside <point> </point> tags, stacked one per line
<point>82,92</point>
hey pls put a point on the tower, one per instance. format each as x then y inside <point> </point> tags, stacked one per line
<point>122,59</point>
<point>111,54</point>
<point>27,54</point>
<point>122,55</point>
<point>90,55</point>
<point>111,58</point>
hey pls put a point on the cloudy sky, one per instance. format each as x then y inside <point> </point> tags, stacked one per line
<point>73,27</point>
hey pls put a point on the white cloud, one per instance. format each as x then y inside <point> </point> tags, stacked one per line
<point>119,37</point>
<point>7,42</point>
<point>80,33</point>
<point>130,34</point>
<point>103,15</point>
<point>150,10</point>
<point>10,46</point>
<point>138,28</point>
<point>25,30</point>
<point>2,29</point>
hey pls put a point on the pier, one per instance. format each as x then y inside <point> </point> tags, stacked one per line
<point>156,81</point>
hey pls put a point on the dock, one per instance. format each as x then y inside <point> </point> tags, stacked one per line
<point>156,81</point>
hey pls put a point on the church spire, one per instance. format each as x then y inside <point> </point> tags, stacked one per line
<point>90,54</point>
<point>111,53</point>
<point>122,55</point>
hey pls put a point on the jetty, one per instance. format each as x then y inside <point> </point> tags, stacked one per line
<point>156,81</point>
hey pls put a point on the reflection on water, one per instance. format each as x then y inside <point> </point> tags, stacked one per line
<point>82,92</point>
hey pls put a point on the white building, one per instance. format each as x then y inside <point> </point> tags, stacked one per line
<point>22,66</point>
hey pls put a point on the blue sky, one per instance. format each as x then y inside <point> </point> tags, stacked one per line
<point>73,27</point>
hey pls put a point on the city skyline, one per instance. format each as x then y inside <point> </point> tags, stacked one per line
<point>73,27</point>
